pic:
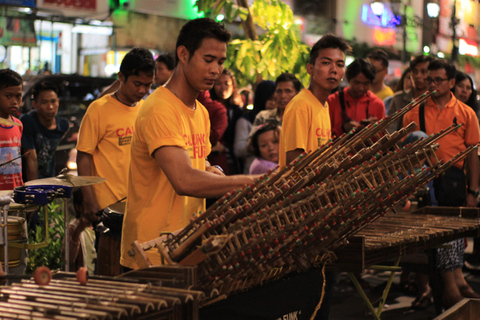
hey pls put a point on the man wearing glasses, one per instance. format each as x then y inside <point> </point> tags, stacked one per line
<point>454,188</point>
<point>42,132</point>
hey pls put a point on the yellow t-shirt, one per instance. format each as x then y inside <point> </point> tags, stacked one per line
<point>384,93</point>
<point>306,125</point>
<point>153,206</point>
<point>106,133</point>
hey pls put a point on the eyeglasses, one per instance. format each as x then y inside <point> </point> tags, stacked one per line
<point>437,80</point>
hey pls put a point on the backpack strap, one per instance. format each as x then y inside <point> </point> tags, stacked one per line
<point>421,116</point>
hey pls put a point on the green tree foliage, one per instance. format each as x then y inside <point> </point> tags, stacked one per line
<point>51,255</point>
<point>276,50</point>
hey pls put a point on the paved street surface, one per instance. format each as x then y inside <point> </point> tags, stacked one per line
<point>347,303</point>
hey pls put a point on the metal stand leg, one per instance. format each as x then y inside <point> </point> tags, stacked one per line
<point>66,237</point>
<point>5,237</point>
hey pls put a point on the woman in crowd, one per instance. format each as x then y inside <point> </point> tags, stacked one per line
<point>464,90</point>
<point>226,92</point>
<point>264,98</point>
<point>404,84</point>
<point>265,146</point>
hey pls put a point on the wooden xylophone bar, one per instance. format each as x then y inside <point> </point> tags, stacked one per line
<point>105,298</point>
<point>396,235</point>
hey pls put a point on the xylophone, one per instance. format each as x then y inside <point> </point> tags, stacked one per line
<point>69,296</point>
<point>397,235</point>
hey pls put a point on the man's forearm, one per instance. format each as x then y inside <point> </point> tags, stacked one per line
<point>32,166</point>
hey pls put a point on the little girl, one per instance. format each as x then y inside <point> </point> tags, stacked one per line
<point>265,145</point>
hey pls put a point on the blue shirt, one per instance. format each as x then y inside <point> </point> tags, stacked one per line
<point>44,141</point>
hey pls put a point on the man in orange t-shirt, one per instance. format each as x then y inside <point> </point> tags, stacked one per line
<point>454,188</point>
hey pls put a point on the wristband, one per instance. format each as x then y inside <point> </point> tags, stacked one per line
<point>218,167</point>
<point>473,192</point>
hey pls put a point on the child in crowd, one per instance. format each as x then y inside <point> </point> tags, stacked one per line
<point>10,136</point>
<point>265,145</point>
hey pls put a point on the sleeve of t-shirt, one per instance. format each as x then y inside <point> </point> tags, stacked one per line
<point>472,131</point>
<point>162,129</point>
<point>28,135</point>
<point>90,132</point>
<point>296,124</point>
<point>378,109</point>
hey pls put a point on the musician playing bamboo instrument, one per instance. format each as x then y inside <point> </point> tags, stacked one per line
<point>169,175</point>
<point>306,122</point>
<point>454,188</point>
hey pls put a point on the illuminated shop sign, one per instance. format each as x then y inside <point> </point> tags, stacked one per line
<point>468,47</point>
<point>386,20</point>
<point>384,36</point>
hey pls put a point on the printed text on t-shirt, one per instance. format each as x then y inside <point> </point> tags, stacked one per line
<point>195,145</point>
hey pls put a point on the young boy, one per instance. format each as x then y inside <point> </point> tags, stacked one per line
<point>43,131</point>
<point>10,136</point>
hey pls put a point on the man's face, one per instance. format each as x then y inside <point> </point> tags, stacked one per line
<point>162,74</point>
<point>328,70</point>
<point>135,87</point>
<point>10,100</point>
<point>204,67</point>
<point>46,104</point>
<point>438,80</point>
<point>419,74</point>
<point>380,69</point>
<point>359,85</point>
<point>284,93</point>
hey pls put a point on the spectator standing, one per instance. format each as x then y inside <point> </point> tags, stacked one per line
<point>404,84</point>
<point>379,59</point>
<point>419,67</point>
<point>264,97</point>
<point>104,143</point>
<point>465,91</point>
<point>164,65</point>
<point>287,86</point>
<point>10,136</point>
<point>355,106</point>
<point>226,92</point>
<point>42,133</point>
<point>454,188</point>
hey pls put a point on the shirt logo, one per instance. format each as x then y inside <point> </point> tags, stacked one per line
<point>196,145</point>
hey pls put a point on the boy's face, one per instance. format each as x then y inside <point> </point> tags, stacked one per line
<point>10,100</point>
<point>136,87</point>
<point>328,70</point>
<point>359,86</point>
<point>162,74</point>
<point>205,66</point>
<point>46,104</point>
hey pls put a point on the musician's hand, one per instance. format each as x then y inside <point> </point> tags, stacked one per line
<point>471,200</point>
<point>348,126</point>
<point>215,170</point>
<point>90,210</point>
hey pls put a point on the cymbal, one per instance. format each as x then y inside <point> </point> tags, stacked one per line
<point>7,122</point>
<point>67,180</point>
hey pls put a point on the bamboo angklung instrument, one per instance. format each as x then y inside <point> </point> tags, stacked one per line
<point>288,219</point>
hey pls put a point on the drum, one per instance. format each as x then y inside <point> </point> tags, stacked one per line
<point>16,233</point>
<point>108,254</point>
<point>112,218</point>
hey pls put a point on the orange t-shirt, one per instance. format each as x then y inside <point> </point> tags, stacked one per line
<point>436,120</point>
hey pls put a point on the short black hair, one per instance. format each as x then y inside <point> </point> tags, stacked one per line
<point>269,126</point>
<point>286,77</point>
<point>360,66</point>
<point>43,86</point>
<point>168,59</point>
<point>137,60</point>
<point>438,64</point>
<point>380,55</point>
<point>195,31</point>
<point>329,41</point>
<point>9,78</point>
<point>420,59</point>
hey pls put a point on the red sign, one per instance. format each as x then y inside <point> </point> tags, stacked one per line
<point>384,36</point>
<point>73,4</point>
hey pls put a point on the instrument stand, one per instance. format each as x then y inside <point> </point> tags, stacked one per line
<point>5,201</point>
<point>377,312</point>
